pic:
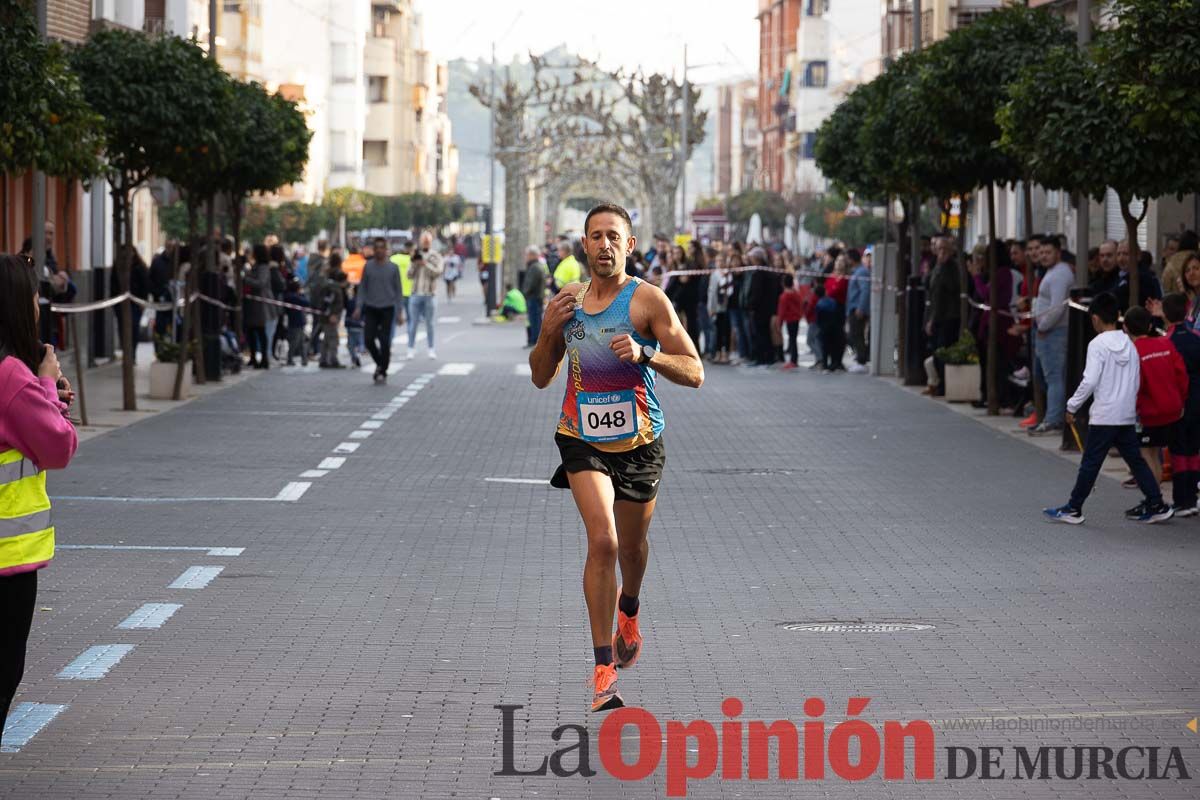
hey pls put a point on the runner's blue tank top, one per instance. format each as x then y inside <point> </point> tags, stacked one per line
<point>608,403</point>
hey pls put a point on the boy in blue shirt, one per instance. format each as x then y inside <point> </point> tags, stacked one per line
<point>297,341</point>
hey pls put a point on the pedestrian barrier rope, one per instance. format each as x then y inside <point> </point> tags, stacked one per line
<point>79,308</point>
<point>877,283</point>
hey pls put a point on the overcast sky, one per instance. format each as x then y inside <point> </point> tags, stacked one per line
<point>616,32</point>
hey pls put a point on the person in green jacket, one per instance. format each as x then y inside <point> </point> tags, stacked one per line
<point>514,303</point>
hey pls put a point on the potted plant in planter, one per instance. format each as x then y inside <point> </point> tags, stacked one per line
<point>162,371</point>
<point>962,369</point>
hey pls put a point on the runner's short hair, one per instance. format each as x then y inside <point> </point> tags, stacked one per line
<point>608,208</point>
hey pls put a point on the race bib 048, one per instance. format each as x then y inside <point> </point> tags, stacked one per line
<point>607,416</point>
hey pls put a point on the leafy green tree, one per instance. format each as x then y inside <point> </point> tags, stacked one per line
<point>838,150</point>
<point>157,96</point>
<point>959,129</point>
<point>771,208</point>
<point>299,222</point>
<point>48,124</point>
<point>267,147</point>
<point>1123,115</point>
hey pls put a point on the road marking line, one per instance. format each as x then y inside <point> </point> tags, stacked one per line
<point>517,480</point>
<point>333,462</point>
<point>95,662</point>
<point>314,473</point>
<point>346,447</point>
<point>385,414</point>
<point>359,435</point>
<point>522,369</point>
<point>371,424</point>
<point>151,615</point>
<point>456,369</point>
<point>195,578</point>
<point>292,492</point>
<point>212,551</point>
<point>25,721</point>
<point>167,499</point>
<point>408,393</point>
<point>449,320</point>
<point>392,368</point>
<point>426,376</point>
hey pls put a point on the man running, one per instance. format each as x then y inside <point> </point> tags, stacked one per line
<point>616,331</point>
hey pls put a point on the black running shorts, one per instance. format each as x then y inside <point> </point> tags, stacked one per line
<point>1158,436</point>
<point>635,473</point>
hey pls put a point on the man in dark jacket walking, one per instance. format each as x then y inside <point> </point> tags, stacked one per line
<point>534,289</point>
<point>942,314</point>
<point>1185,449</point>
<point>314,287</point>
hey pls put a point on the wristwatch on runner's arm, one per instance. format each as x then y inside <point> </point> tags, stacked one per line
<point>648,353</point>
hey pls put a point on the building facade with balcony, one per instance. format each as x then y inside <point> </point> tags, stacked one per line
<point>835,52</point>
<point>778,23</point>
<point>737,140</point>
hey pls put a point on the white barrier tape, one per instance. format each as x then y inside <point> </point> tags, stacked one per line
<point>282,304</point>
<point>79,308</point>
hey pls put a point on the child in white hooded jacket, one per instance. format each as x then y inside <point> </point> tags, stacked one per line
<point>1111,378</point>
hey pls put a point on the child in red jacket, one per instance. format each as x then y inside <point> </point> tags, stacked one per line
<point>1163,388</point>
<point>790,311</point>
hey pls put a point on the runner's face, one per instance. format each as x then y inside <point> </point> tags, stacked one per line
<point>606,244</point>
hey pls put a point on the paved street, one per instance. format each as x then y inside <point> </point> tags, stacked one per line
<point>383,591</point>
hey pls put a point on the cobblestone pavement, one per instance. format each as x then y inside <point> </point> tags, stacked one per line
<point>385,603</point>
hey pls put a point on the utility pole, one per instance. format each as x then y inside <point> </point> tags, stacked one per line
<point>1082,201</point>
<point>683,138</point>
<point>492,178</point>
<point>39,179</point>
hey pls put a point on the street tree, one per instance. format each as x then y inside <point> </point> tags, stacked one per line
<point>267,147</point>
<point>48,124</point>
<point>958,126</point>
<point>154,96</point>
<point>1119,115</point>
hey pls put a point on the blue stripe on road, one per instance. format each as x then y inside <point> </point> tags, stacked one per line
<point>151,615</point>
<point>24,722</point>
<point>195,577</point>
<point>95,662</point>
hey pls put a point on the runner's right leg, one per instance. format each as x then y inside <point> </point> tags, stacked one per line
<point>594,496</point>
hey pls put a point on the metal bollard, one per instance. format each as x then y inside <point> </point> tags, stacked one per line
<point>914,333</point>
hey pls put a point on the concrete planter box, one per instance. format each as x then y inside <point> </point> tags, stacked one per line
<point>962,383</point>
<point>162,380</point>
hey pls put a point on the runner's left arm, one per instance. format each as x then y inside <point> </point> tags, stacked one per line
<point>677,359</point>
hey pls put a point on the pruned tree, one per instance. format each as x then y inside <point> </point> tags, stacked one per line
<point>1119,115</point>
<point>154,94</point>
<point>48,124</point>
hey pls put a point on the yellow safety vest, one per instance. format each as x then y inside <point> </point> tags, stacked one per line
<point>567,271</point>
<point>402,262</point>
<point>26,535</point>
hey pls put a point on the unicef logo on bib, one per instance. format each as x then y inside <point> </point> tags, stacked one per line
<point>607,416</point>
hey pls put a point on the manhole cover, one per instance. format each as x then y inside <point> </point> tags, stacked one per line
<point>856,627</point>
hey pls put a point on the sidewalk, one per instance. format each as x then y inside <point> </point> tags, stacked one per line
<point>103,386</point>
<point>1114,466</point>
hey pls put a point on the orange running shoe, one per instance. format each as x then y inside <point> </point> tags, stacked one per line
<point>1030,421</point>
<point>604,678</point>
<point>627,641</point>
